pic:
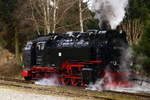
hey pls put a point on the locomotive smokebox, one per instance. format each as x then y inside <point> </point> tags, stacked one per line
<point>105,25</point>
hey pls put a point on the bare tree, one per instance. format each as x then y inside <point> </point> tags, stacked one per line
<point>48,14</point>
<point>44,14</point>
<point>54,15</point>
<point>134,29</point>
<point>84,13</point>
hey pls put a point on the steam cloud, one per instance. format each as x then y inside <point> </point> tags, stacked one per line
<point>111,11</point>
<point>123,68</point>
<point>139,86</point>
<point>52,81</point>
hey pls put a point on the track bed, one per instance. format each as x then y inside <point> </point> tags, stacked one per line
<point>70,92</point>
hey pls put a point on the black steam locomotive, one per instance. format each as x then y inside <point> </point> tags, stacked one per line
<point>77,58</point>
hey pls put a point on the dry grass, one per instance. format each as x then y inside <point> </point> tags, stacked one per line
<point>10,69</point>
<point>8,64</point>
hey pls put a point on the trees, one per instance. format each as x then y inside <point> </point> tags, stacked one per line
<point>9,26</point>
<point>137,16</point>
<point>13,25</point>
<point>144,46</point>
<point>52,16</point>
<point>29,18</point>
<point>42,12</point>
<point>49,14</point>
<point>137,25</point>
<point>6,19</point>
<point>143,49</point>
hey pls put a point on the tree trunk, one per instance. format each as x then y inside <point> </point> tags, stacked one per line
<point>54,17</point>
<point>48,16</point>
<point>17,53</point>
<point>81,16</point>
<point>35,21</point>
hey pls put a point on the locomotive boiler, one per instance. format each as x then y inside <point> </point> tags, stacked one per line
<point>76,58</point>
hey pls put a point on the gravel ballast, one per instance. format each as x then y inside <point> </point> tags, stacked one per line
<point>8,94</point>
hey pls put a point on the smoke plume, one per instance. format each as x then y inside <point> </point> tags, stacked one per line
<point>110,11</point>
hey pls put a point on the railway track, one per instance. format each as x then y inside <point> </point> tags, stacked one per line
<point>14,80</point>
<point>73,91</point>
<point>140,95</point>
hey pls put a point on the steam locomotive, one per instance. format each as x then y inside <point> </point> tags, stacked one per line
<point>76,58</point>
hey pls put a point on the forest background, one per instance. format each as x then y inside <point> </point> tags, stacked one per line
<point>22,20</point>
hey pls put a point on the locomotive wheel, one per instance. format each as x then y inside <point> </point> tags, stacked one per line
<point>74,82</point>
<point>65,81</point>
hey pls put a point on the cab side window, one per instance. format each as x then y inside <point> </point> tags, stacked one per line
<point>40,45</point>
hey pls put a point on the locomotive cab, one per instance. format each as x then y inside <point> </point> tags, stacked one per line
<point>29,54</point>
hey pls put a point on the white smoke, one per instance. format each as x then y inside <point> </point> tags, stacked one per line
<point>135,89</point>
<point>126,61</point>
<point>133,86</point>
<point>111,11</point>
<point>124,68</point>
<point>98,86</point>
<point>53,81</point>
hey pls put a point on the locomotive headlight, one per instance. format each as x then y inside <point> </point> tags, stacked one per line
<point>59,54</point>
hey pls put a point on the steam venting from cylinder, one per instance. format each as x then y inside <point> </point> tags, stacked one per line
<point>110,13</point>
